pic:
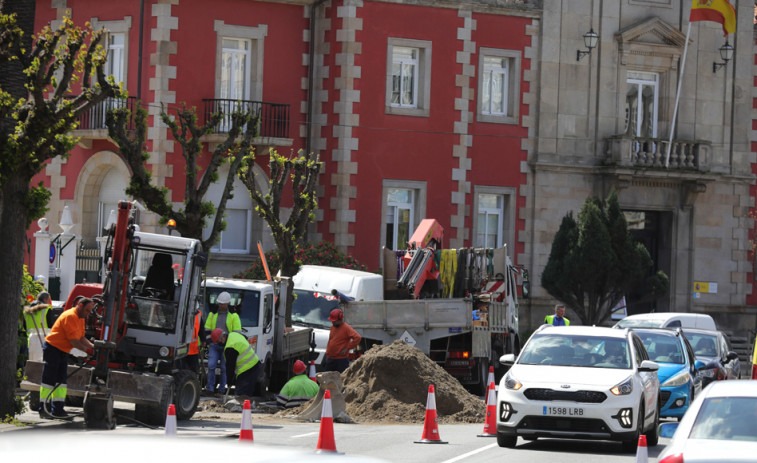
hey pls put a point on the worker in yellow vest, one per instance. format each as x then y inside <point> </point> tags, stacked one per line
<point>242,363</point>
<point>558,319</point>
<point>38,318</point>
<point>227,322</point>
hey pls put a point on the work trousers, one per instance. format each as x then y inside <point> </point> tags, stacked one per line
<point>54,372</point>
<point>245,382</point>
<point>215,356</point>
<point>336,364</point>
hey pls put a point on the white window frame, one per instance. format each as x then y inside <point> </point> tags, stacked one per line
<point>239,202</point>
<point>511,94</point>
<point>256,36</point>
<point>640,79</point>
<point>422,80</point>
<point>506,231</point>
<point>228,89</point>
<point>403,63</point>
<point>219,246</point>
<point>116,27</point>
<point>418,208</point>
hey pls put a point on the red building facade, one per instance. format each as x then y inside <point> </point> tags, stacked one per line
<point>418,109</point>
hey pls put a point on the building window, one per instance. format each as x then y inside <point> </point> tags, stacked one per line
<point>235,69</point>
<point>490,218</point>
<point>238,235</point>
<point>403,206</point>
<point>408,77</point>
<point>405,77</point>
<point>641,104</point>
<point>493,226</point>
<point>499,85</point>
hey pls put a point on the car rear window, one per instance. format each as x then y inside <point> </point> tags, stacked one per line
<point>577,351</point>
<point>726,418</point>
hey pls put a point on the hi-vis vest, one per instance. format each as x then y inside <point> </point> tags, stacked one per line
<point>550,320</point>
<point>194,346</point>
<point>247,357</point>
<point>233,323</point>
<point>37,320</point>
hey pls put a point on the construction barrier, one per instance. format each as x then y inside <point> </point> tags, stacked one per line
<point>245,430</point>
<point>171,420</point>
<point>490,425</point>
<point>430,426</point>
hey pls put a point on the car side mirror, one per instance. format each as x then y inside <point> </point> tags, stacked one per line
<point>648,365</point>
<point>507,359</point>
<point>731,355</point>
<point>699,365</point>
<point>667,429</point>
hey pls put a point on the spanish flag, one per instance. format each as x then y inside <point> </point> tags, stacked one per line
<point>719,11</point>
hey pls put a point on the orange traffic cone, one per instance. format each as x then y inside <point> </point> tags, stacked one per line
<point>430,428</point>
<point>326,435</point>
<point>641,450</point>
<point>245,432</point>
<point>171,421</point>
<point>311,373</point>
<point>490,425</point>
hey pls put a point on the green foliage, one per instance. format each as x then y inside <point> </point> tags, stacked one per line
<point>322,253</point>
<point>29,291</point>
<point>595,261</point>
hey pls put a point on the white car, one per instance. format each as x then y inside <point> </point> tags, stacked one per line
<point>720,426</point>
<point>579,382</point>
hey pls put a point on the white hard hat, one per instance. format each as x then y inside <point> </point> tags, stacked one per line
<point>224,298</point>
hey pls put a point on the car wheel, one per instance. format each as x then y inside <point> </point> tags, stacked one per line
<point>652,437</point>
<point>504,440</point>
<point>629,446</point>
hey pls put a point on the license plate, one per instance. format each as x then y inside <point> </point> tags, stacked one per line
<point>563,411</point>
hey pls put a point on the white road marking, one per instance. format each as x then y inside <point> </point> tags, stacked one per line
<point>466,455</point>
<point>305,435</point>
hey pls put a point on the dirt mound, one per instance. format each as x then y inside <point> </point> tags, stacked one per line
<point>390,383</point>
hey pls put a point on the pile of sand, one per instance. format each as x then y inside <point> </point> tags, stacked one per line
<point>390,383</point>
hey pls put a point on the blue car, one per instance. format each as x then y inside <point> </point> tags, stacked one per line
<point>679,382</point>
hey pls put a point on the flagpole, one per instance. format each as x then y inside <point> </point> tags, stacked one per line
<point>678,95</point>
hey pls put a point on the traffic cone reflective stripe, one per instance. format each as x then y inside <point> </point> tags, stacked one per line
<point>641,450</point>
<point>311,373</point>
<point>326,435</point>
<point>430,427</point>
<point>245,431</point>
<point>171,420</point>
<point>490,425</point>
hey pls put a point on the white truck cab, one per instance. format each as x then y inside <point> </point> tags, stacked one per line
<point>314,287</point>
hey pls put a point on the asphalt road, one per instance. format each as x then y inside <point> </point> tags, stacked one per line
<point>393,443</point>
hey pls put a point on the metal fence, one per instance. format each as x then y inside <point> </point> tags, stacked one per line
<point>273,117</point>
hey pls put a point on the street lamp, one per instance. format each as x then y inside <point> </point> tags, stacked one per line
<point>726,54</point>
<point>590,41</point>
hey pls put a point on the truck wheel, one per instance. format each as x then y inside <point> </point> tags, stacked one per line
<point>482,388</point>
<point>155,414</point>
<point>187,392</point>
<point>264,378</point>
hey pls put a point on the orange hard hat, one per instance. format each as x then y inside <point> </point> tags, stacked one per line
<point>299,367</point>
<point>215,335</point>
<point>335,315</point>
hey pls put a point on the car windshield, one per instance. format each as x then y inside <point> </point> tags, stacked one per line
<point>243,302</point>
<point>662,347</point>
<point>576,351</point>
<point>640,323</point>
<point>704,345</point>
<point>726,418</point>
<point>313,308</point>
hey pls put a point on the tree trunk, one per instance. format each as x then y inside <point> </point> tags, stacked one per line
<point>13,223</point>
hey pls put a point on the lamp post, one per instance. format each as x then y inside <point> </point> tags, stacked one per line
<point>590,41</point>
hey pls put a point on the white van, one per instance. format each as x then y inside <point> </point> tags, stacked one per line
<point>317,290</point>
<point>668,320</point>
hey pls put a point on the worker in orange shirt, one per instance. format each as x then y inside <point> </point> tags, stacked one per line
<point>342,338</point>
<point>66,333</point>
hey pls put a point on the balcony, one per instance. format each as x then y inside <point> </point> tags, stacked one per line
<point>634,152</point>
<point>273,120</point>
<point>92,123</point>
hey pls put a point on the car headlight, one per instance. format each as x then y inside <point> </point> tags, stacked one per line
<point>707,373</point>
<point>678,380</point>
<point>624,388</point>
<point>512,383</point>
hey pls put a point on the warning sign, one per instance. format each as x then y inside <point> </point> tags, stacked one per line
<point>408,338</point>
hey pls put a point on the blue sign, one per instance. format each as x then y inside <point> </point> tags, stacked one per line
<point>455,330</point>
<point>52,253</point>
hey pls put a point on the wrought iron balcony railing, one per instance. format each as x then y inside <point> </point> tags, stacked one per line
<point>274,117</point>
<point>94,119</point>
<point>630,151</point>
